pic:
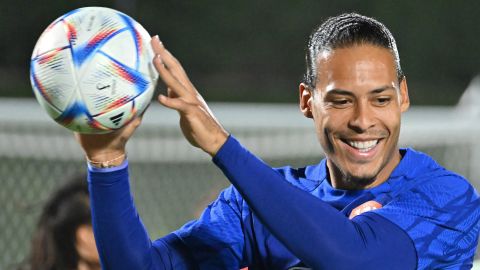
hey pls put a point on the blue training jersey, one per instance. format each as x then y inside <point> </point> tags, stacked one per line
<point>422,217</point>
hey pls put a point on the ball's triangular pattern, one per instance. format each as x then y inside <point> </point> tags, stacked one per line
<point>91,70</point>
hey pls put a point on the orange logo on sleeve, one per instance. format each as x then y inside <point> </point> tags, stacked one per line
<point>365,207</point>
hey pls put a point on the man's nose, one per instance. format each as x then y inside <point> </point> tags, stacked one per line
<point>362,117</point>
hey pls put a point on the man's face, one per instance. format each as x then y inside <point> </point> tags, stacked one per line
<point>356,107</point>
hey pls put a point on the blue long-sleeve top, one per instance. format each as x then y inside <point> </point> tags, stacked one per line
<point>422,217</point>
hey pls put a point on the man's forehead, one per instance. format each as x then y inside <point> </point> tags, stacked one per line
<point>355,52</point>
<point>324,54</point>
<point>359,65</point>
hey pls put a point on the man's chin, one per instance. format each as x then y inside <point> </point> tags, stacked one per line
<point>356,176</point>
<point>359,180</point>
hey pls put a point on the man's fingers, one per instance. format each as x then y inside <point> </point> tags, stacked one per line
<point>135,124</point>
<point>172,103</point>
<point>171,94</point>
<point>170,61</point>
<point>128,129</point>
<point>169,80</point>
<point>167,57</point>
<point>156,44</point>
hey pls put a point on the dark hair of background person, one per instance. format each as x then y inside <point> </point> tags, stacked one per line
<point>344,31</point>
<point>53,243</point>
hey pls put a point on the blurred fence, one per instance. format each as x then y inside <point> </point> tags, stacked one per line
<point>173,181</point>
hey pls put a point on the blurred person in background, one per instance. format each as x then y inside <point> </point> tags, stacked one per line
<point>63,238</point>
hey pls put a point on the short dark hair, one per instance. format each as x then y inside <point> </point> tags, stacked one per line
<point>343,31</point>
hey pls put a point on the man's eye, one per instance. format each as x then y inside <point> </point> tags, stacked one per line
<point>382,101</point>
<point>340,101</point>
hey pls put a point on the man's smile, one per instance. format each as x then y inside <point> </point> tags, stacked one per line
<point>363,146</point>
<point>361,149</point>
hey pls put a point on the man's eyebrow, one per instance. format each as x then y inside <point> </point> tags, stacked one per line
<point>338,91</point>
<point>381,89</point>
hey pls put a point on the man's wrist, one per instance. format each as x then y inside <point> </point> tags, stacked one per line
<point>218,143</point>
<point>107,160</point>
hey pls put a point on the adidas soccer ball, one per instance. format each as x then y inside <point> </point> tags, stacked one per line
<point>92,70</point>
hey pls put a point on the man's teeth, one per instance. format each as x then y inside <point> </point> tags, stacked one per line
<point>363,146</point>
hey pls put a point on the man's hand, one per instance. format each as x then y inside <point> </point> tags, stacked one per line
<point>197,122</point>
<point>101,148</point>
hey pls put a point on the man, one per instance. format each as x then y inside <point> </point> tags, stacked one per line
<point>368,205</point>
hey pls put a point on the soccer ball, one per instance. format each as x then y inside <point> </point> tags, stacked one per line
<point>92,70</point>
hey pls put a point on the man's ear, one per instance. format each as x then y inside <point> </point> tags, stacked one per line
<point>404,98</point>
<point>306,96</point>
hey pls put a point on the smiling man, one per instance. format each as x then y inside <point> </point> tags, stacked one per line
<point>368,205</point>
<point>356,101</point>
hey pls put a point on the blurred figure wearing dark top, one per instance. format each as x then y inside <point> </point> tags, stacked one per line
<point>63,239</point>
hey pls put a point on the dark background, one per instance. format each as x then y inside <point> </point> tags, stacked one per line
<point>253,51</point>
